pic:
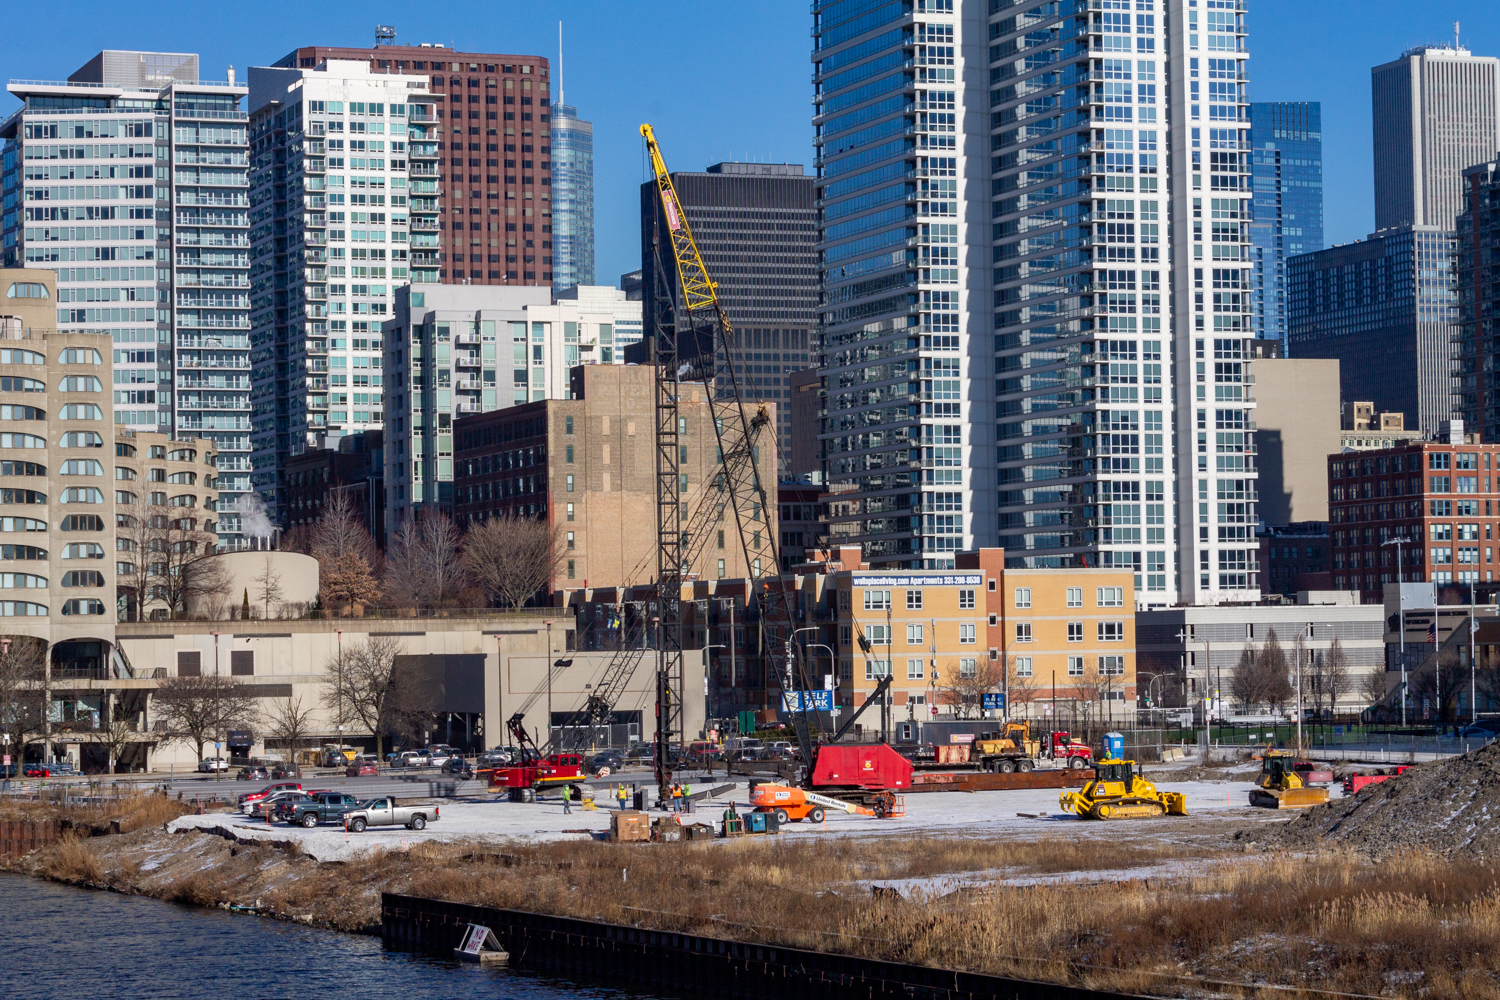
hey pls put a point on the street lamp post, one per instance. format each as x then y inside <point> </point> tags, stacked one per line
<point>1401,612</point>
<point>1208,659</point>
<point>218,717</point>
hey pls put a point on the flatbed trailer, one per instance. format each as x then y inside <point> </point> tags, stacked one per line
<point>984,781</point>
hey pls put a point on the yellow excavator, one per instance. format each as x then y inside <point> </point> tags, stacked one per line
<point>1117,792</point>
<point>1280,787</point>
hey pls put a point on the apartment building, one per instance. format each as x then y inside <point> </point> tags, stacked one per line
<point>353,466</point>
<point>1058,116</point>
<point>137,141</point>
<point>1047,636</point>
<point>1420,512</point>
<point>450,347</point>
<point>586,464</point>
<point>1286,155</point>
<point>628,323</point>
<point>489,170</point>
<point>343,175</point>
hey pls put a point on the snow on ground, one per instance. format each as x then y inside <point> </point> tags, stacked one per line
<point>1025,812</point>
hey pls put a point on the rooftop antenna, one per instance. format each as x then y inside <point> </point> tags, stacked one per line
<point>1455,35</point>
<point>385,34</point>
<point>561,98</point>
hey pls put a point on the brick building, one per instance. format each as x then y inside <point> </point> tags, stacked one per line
<point>587,465</point>
<point>1439,496</point>
<point>495,181</point>
<point>351,463</point>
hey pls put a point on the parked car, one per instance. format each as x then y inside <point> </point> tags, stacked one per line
<point>385,812</point>
<point>439,755</point>
<point>362,770</point>
<point>612,759</point>
<point>249,798</point>
<point>783,754</point>
<point>642,752</point>
<point>498,757</point>
<point>411,758</point>
<point>458,767</point>
<point>254,772</point>
<point>266,807</point>
<point>320,807</point>
<point>285,771</point>
<point>365,758</point>
<point>209,765</point>
<point>1487,730</point>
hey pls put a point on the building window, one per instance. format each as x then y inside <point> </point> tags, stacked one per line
<point>966,600</point>
<point>1111,631</point>
<point>877,600</point>
<point>1075,597</point>
<point>913,600</point>
<point>242,663</point>
<point>189,663</point>
<point>570,540</point>
<point>1075,631</point>
<point>878,635</point>
<point>1023,666</point>
<point>570,511</point>
<point>567,425</point>
<point>914,669</point>
<point>968,666</point>
<point>966,632</point>
<point>570,569</point>
<point>721,569</point>
<point>846,670</point>
<point>1111,597</point>
<point>570,482</point>
<point>877,669</point>
<point>1023,597</point>
<point>1023,631</point>
<point>569,453</point>
<point>843,635</point>
<point>1111,666</point>
<point>1075,666</point>
<point>914,635</point>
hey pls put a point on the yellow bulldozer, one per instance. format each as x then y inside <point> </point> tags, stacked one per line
<point>1118,792</point>
<point>1280,787</point>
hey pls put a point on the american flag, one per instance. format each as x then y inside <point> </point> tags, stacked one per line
<point>1432,631</point>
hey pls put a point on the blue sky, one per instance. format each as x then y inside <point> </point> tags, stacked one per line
<point>725,80</point>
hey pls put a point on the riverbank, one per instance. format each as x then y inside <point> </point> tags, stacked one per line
<point>1165,907</point>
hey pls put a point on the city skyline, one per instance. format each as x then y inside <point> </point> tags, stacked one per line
<point>754,106</point>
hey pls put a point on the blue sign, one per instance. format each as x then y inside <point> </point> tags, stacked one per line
<point>993,702</point>
<point>807,701</point>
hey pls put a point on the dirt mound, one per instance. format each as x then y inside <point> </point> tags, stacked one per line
<point>1449,807</point>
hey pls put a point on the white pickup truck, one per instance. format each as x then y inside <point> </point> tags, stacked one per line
<point>385,812</point>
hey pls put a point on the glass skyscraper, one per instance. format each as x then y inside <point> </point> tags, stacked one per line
<point>129,180</point>
<point>1035,237</point>
<point>572,198</point>
<point>1286,169</point>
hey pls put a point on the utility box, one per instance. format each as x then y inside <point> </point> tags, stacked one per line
<point>628,827</point>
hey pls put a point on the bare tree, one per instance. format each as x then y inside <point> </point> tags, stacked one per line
<point>1276,684</point>
<point>23,661</point>
<point>1372,685</point>
<point>115,735</point>
<point>1021,688</point>
<point>340,530</point>
<point>365,685</point>
<point>200,710</point>
<point>1438,687</point>
<point>964,688</point>
<point>423,569</point>
<point>1245,684</point>
<point>289,724</point>
<point>512,558</point>
<point>135,541</point>
<point>268,585</point>
<point>1335,673</point>
<point>187,566</point>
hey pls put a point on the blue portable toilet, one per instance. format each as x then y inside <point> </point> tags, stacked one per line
<point>1114,746</point>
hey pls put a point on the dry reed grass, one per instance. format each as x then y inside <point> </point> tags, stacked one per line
<point>133,812</point>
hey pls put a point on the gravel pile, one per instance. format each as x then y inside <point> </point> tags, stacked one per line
<point>1449,807</point>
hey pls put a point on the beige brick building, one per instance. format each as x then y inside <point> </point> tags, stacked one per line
<point>588,465</point>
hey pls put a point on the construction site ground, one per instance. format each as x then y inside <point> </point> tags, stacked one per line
<point>1216,809</point>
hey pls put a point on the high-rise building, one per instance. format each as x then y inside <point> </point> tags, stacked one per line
<point>338,195</point>
<point>1386,309</point>
<point>492,175</point>
<point>452,345</point>
<point>1286,168</point>
<point>153,162</point>
<point>755,227</point>
<point>1436,112</point>
<point>628,322</point>
<point>1087,319</point>
<point>572,198</point>
<point>1478,273</point>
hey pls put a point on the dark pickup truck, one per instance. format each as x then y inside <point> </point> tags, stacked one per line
<point>318,807</point>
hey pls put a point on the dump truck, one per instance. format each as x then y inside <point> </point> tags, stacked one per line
<point>1279,786</point>
<point>1118,792</point>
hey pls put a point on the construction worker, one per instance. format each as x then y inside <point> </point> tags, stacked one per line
<point>676,797</point>
<point>687,797</point>
<point>567,800</point>
<point>620,794</point>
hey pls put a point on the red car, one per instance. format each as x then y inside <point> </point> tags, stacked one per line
<point>250,798</point>
<point>362,771</point>
<point>36,771</point>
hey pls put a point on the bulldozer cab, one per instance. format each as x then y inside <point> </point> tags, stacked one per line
<point>1115,770</point>
<point>1275,767</point>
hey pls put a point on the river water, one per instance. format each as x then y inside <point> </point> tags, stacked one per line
<point>59,941</point>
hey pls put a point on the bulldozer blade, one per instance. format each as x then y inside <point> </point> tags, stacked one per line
<point>1295,798</point>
